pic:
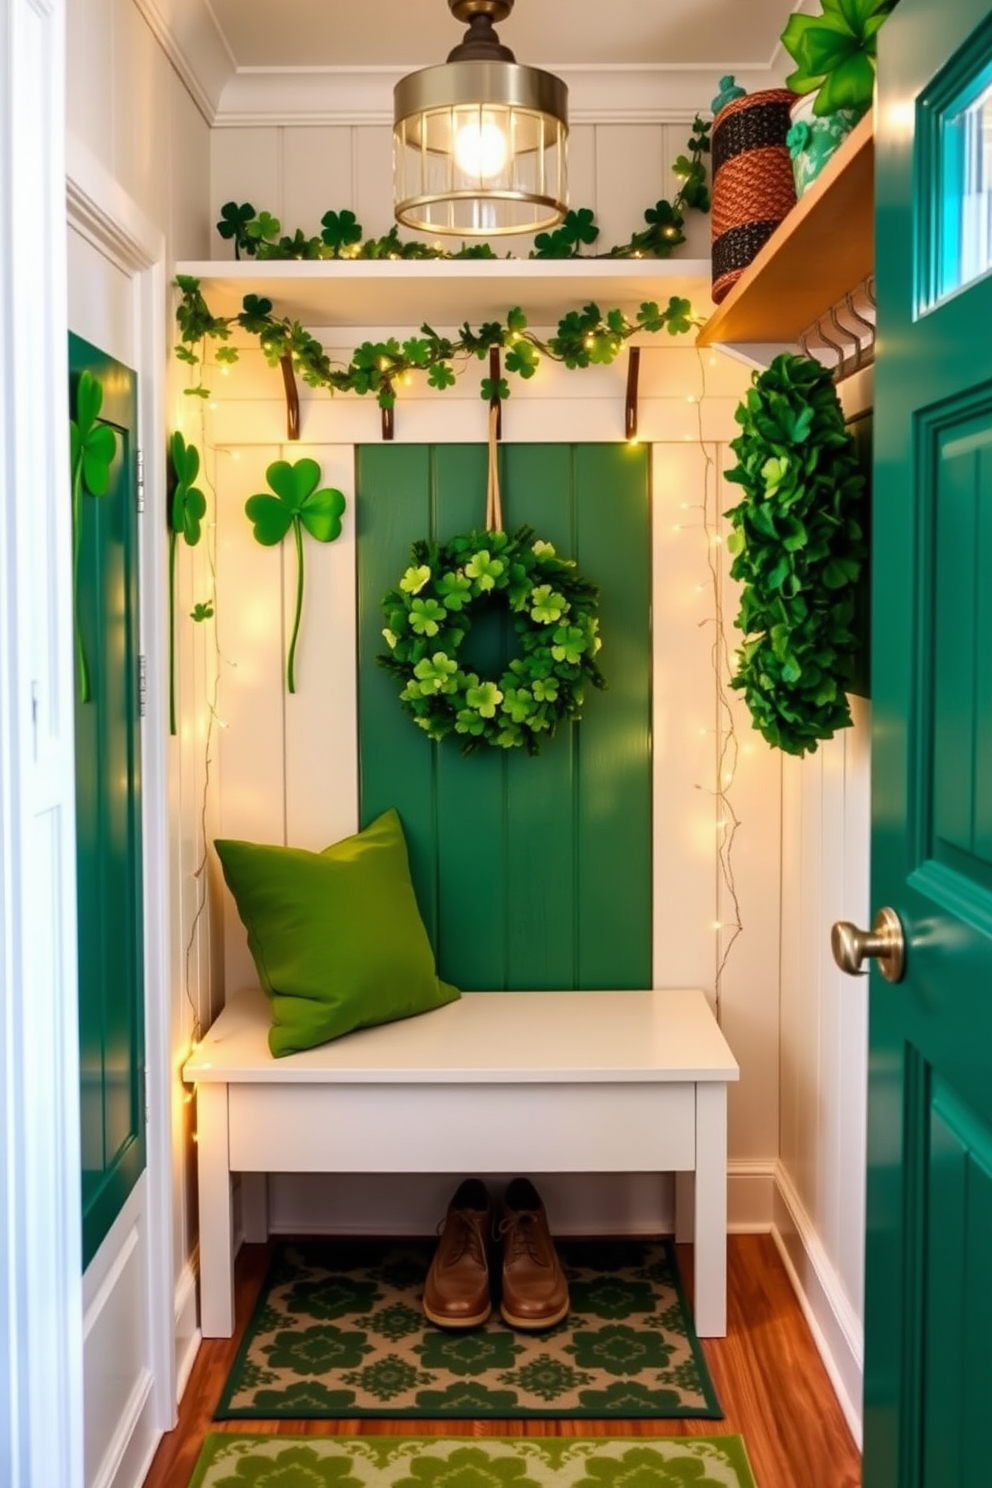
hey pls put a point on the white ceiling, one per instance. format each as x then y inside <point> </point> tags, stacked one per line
<point>716,35</point>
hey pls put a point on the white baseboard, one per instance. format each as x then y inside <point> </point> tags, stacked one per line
<point>751,1195</point>
<point>836,1328</point>
<point>128,1457</point>
<point>187,1330</point>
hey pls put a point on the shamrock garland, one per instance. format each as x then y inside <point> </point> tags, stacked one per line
<point>798,548</point>
<point>429,616</point>
<point>92,446</point>
<point>260,234</point>
<point>585,337</point>
<point>187,508</point>
<point>296,504</point>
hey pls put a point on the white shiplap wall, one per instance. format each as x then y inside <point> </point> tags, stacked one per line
<point>287,767</point>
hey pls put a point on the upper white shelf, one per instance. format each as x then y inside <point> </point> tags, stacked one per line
<point>445,292</point>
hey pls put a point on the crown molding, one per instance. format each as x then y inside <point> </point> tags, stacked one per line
<point>188,34</point>
<point>348,96</point>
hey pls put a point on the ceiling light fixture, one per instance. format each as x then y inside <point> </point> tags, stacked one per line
<point>480,143</point>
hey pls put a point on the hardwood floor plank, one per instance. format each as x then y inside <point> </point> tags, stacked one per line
<point>768,1375</point>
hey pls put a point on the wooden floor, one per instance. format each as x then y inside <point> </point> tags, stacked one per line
<point>768,1376</point>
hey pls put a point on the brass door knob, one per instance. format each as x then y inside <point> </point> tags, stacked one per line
<point>884,943</point>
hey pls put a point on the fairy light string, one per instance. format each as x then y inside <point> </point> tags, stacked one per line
<point>729,926</point>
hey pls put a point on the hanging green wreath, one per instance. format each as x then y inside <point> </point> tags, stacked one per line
<point>430,615</point>
<point>798,549</point>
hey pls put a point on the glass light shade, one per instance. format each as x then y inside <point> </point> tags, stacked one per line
<point>480,149</point>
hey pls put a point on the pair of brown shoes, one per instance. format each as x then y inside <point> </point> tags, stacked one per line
<point>534,1293</point>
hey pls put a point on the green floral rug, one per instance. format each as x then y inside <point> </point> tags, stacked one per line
<point>251,1461</point>
<point>338,1331</point>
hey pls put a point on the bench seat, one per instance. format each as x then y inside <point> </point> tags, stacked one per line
<point>497,1082</point>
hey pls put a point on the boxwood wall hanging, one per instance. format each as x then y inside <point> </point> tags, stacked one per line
<point>798,549</point>
<point>296,503</point>
<point>429,616</point>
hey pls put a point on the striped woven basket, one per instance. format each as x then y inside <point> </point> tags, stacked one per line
<point>753,184</point>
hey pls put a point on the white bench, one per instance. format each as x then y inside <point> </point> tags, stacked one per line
<point>498,1082</point>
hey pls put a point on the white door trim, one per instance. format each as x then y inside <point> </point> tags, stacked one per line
<point>41,1388</point>
<point>108,218</point>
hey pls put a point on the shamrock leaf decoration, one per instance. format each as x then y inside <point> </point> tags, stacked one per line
<point>201,612</point>
<point>484,569</point>
<point>546,605</point>
<point>234,222</point>
<point>297,503</point>
<point>340,230</point>
<point>92,446</point>
<point>187,508</point>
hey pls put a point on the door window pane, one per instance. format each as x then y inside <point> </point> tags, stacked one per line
<point>966,240</point>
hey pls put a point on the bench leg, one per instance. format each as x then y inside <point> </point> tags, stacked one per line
<point>685,1204</point>
<point>255,1206</point>
<point>711,1210</point>
<point>216,1225</point>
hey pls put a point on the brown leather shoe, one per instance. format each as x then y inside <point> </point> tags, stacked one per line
<point>456,1292</point>
<point>535,1293</point>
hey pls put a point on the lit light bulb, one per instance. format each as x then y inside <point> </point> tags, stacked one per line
<point>481,149</point>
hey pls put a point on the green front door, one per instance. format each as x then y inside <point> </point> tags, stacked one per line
<point>929,1212</point>
<point>108,802</point>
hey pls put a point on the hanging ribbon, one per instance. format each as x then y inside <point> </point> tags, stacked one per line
<point>494,508</point>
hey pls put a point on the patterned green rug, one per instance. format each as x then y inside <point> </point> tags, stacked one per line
<point>252,1461</point>
<point>338,1331</point>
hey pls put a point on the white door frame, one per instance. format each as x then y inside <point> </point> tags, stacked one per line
<point>103,213</point>
<point>41,1354</point>
<point>41,1431</point>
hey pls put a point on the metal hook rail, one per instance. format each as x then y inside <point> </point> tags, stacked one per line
<point>843,337</point>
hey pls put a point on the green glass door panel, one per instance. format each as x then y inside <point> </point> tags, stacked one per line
<point>108,819</point>
<point>531,872</point>
<point>929,1195</point>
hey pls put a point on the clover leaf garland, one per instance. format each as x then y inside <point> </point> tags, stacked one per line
<point>429,616</point>
<point>260,235</point>
<point>586,337</point>
<point>798,548</point>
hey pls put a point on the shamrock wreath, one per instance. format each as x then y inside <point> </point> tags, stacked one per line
<point>429,616</point>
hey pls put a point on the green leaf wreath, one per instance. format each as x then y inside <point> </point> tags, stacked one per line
<point>798,548</point>
<point>296,504</point>
<point>92,446</point>
<point>430,613</point>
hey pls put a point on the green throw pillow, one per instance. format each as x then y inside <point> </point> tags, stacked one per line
<point>337,936</point>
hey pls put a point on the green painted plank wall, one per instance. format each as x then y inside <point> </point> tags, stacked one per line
<point>531,871</point>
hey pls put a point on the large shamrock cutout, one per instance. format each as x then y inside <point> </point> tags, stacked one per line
<point>92,447</point>
<point>187,508</point>
<point>297,503</point>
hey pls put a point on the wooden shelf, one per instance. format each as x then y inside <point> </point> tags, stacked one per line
<point>825,247</point>
<point>445,292</point>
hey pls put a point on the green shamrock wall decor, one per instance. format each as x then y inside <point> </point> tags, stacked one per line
<point>297,503</point>
<point>187,508</point>
<point>92,447</point>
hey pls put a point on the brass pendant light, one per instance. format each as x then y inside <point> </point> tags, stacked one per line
<point>480,143</point>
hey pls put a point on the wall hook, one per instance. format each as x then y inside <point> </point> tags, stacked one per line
<point>495,377</point>
<point>292,397</point>
<point>630,403</point>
